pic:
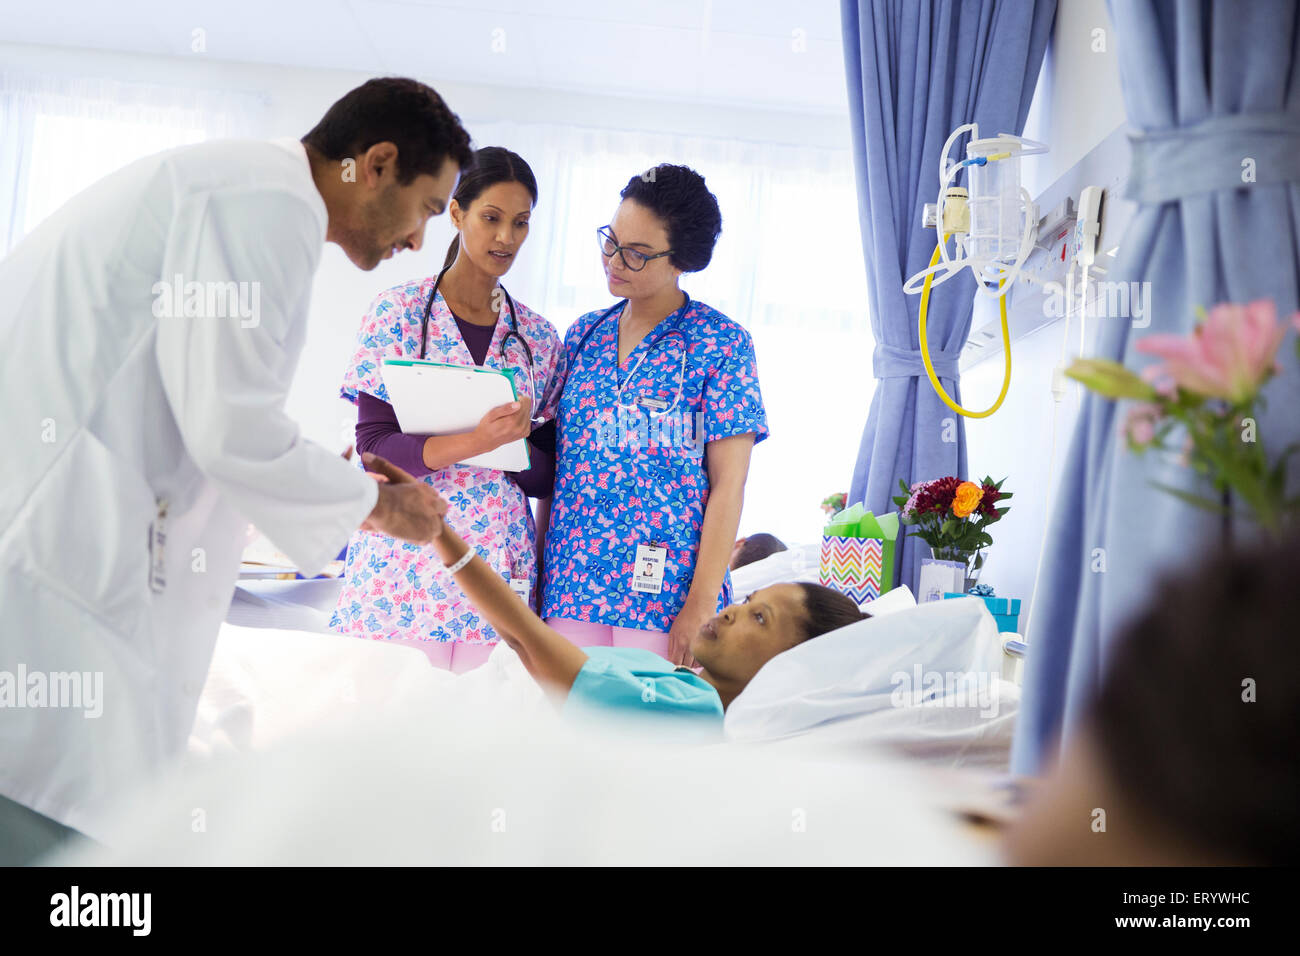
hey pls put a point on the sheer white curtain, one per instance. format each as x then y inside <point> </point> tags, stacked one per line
<point>787,267</point>
<point>59,134</point>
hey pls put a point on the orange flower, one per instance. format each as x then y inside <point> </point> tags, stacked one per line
<point>966,499</point>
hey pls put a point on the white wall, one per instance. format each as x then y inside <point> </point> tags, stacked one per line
<point>1077,101</point>
<point>1078,105</point>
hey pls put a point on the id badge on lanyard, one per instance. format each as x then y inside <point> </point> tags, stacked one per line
<point>648,571</point>
<point>518,584</point>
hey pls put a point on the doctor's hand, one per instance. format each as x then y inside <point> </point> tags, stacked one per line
<point>407,508</point>
<point>506,423</point>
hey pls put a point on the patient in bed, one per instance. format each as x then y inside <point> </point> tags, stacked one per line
<point>731,648</point>
<point>754,548</point>
<point>1189,755</point>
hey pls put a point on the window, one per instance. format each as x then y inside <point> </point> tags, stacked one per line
<point>59,135</point>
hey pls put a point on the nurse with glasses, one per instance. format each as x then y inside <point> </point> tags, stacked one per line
<point>401,593</point>
<point>660,411</point>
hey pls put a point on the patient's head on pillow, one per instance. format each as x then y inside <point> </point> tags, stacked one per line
<point>756,547</point>
<point>734,645</point>
<point>1190,745</point>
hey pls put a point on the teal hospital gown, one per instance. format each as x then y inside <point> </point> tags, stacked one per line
<point>639,684</point>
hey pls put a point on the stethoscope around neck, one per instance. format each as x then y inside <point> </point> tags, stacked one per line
<point>647,404</point>
<point>514,331</point>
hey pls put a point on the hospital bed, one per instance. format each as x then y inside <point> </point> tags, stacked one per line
<point>277,667</point>
<point>313,748</point>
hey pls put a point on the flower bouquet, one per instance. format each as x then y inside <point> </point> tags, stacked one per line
<point>1207,393</point>
<point>834,504</point>
<point>951,515</point>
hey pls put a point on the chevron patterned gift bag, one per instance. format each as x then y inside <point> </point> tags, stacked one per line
<point>857,556</point>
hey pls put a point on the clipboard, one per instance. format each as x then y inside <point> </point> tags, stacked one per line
<point>437,398</point>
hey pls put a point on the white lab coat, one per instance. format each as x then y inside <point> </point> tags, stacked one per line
<point>112,409</point>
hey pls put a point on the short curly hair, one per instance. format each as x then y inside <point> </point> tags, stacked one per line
<point>396,110</point>
<point>678,196</point>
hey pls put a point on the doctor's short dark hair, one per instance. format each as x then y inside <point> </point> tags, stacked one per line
<point>1197,719</point>
<point>678,196</point>
<point>395,110</point>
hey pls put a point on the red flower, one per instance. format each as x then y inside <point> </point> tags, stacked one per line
<point>936,496</point>
<point>991,495</point>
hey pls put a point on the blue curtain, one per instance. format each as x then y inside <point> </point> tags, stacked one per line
<point>1212,92</point>
<point>916,71</point>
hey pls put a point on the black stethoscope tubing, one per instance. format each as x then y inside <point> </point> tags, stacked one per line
<point>514,323</point>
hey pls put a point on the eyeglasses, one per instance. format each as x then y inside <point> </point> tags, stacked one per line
<point>633,259</point>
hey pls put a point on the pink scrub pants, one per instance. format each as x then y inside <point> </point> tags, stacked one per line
<point>454,656</point>
<point>586,634</point>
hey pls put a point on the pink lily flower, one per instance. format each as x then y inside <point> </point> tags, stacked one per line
<point>1229,356</point>
<point>1140,423</point>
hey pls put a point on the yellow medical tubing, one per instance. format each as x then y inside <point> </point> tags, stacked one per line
<point>925,346</point>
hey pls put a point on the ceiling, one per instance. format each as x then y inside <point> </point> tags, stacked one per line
<point>773,54</point>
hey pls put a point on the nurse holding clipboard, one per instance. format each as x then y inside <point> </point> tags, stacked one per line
<point>659,414</point>
<point>462,316</point>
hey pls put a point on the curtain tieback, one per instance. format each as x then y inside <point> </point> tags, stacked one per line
<point>889,361</point>
<point>1221,153</point>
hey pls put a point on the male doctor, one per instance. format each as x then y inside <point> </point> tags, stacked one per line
<point>151,328</point>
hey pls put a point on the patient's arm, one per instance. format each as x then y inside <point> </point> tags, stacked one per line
<point>546,653</point>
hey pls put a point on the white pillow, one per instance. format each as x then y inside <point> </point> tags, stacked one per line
<point>801,562</point>
<point>898,599</point>
<point>867,667</point>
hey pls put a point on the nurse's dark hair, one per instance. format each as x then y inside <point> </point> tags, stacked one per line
<point>406,113</point>
<point>826,610</point>
<point>679,197</point>
<point>491,165</point>
<point>1197,719</point>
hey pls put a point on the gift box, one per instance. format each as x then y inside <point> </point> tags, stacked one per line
<point>857,556</point>
<point>1006,611</point>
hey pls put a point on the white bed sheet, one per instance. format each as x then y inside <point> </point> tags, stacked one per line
<point>267,685</point>
<point>314,748</point>
<point>440,777</point>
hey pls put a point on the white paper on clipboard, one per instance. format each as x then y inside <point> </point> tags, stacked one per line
<point>434,398</point>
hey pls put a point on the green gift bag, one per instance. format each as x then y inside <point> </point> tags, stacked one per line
<point>857,556</point>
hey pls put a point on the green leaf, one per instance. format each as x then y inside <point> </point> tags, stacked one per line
<point>1197,501</point>
<point>1110,379</point>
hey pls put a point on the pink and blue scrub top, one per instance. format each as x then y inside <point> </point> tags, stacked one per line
<point>630,463</point>
<point>398,591</point>
<point>636,683</point>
